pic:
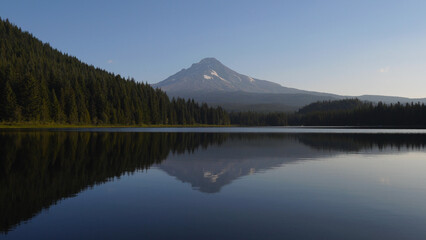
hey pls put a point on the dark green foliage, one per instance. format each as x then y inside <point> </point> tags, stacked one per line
<point>345,104</point>
<point>41,84</point>
<point>57,112</point>
<point>10,110</point>
<point>409,115</point>
<point>350,112</point>
<point>30,98</point>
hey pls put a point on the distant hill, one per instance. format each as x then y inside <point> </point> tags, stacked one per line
<point>390,99</point>
<point>353,112</point>
<point>338,105</point>
<point>39,84</point>
<point>212,82</point>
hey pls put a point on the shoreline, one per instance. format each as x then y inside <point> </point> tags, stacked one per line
<point>4,126</point>
<point>78,126</point>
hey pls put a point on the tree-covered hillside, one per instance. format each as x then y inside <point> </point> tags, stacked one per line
<point>42,85</point>
<point>336,105</point>
<point>406,115</point>
<point>351,112</point>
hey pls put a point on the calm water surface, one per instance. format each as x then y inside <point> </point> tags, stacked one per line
<point>215,183</point>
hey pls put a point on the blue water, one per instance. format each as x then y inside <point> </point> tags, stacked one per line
<point>214,183</point>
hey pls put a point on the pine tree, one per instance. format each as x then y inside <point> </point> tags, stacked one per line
<point>31,100</point>
<point>57,112</point>
<point>71,107</point>
<point>9,104</point>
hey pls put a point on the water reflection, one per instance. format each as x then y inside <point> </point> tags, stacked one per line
<point>244,154</point>
<point>39,168</point>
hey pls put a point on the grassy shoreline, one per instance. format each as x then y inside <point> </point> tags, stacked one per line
<point>77,126</point>
<point>64,125</point>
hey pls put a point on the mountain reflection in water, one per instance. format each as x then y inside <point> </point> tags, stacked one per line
<point>40,168</point>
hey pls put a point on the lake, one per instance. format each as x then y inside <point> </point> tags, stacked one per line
<point>213,183</point>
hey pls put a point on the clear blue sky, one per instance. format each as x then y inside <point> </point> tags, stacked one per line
<point>344,47</point>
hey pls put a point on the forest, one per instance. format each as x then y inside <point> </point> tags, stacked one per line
<point>347,112</point>
<point>39,84</point>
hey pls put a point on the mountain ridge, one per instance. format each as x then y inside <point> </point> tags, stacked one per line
<point>210,74</point>
<point>212,82</point>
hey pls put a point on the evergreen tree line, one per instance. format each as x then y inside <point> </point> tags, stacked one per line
<point>42,85</point>
<point>323,106</point>
<point>354,114</point>
<point>380,114</point>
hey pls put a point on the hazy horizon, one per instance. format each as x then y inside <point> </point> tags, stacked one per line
<point>337,47</point>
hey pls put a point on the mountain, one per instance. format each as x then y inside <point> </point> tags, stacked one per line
<point>212,82</point>
<point>210,75</point>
